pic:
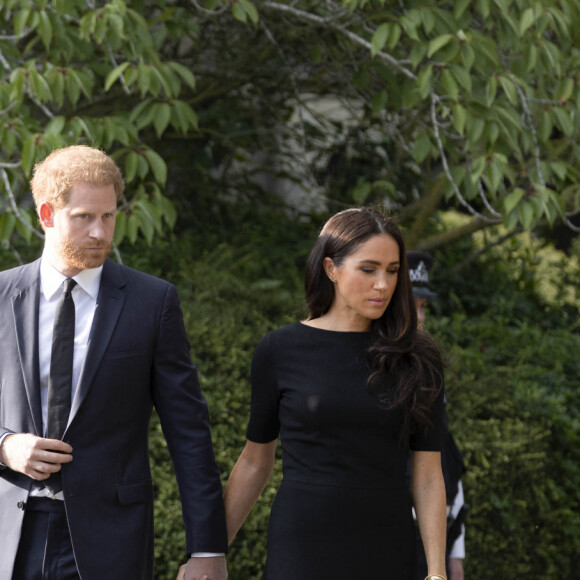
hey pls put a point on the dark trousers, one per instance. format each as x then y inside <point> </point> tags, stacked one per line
<point>45,550</point>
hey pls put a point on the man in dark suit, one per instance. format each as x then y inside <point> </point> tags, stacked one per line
<point>80,503</point>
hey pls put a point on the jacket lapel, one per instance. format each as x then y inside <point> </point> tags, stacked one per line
<point>110,303</point>
<point>25,309</point>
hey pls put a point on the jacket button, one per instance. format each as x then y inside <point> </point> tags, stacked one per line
<point>21,505</point>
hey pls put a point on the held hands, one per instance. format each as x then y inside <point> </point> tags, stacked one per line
<point>212,568</point>
<point>34,456</point>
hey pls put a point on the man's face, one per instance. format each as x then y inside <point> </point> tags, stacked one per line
<point>421,307</point>
<point>80,235</point>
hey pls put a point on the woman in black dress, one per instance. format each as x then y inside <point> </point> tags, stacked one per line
<point>349,391</point>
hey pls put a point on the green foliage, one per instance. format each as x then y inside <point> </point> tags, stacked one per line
<point>515,411</point>
<point>479,100</point>
<point>74,74</point>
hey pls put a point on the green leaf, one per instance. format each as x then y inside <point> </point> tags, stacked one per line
<point>510,220</point>
<point>55,125</point>
<point>45,28</point>
<point>491,91</point>
<point>459,117</point>
<point>115,74</point>
<point>144,74</point>
<point>161,118</point>
<point>526,214</point>
<point>477,169</point>
<point>468,56</point>
<point>157,165</point>
<point>475,127</point>
<point>17,81</point>
<point>424,80</point>
<point>7,225</point>
<point>494,172</point>
<point>379,39</point>
<point>462,76</point>
<point>29,154</point>
<point>526,20</point>
<point>120,228</point>
<point>394,35</point>
<point>184,73</point>
<point>421,148</point>
<point>38,86</point>
<point>238,12</point>
<point>133,227</point>
<point>564,90</point>
<point>25,232</point>
<point>438,43</point>
<point>564,121</point>
<point>131,166</point>
<point>509,89</point>
<point>140,109</point>
<point>428,19</point>
<point>449,84</point>
<point>559,169</point>
<point>166,209</point>
<point>20,20</point>
<point>492,132</point>
<point>360,192</point>
<point>483,7</point>
<point>531,57</point>
<point>460,7</point>
<point>142,167</point>
<point>512,200</point>
<point>250,10</point>
<point>410,21</point>
<point>183,117</point>
<point>417,53</point>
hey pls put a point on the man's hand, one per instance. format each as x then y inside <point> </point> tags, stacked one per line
<point>455,569</point>
<point>34,456</point>
<point>212,568</point>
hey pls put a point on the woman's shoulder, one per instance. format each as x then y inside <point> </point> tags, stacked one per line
<point>282,335</point>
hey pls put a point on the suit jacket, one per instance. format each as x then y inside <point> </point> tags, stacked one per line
<point>138,356</point>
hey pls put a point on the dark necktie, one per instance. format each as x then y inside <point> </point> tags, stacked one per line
<point>61,369</point>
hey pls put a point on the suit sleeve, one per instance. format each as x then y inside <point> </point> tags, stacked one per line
<point>185,421</point>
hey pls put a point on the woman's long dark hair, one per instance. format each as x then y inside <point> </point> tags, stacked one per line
<point>405,362</point>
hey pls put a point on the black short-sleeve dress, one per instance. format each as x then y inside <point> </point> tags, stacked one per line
<point>343,509</point>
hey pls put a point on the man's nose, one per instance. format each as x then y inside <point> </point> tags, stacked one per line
<point>98,229</point>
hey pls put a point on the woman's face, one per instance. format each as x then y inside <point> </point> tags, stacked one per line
<point>364,283</point>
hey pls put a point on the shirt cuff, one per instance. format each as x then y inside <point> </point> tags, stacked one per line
<point>2,437</point>
<point>206,555</point>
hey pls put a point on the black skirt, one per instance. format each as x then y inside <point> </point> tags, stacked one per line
<point>320,532</point>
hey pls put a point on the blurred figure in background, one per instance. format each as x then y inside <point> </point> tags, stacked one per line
<point>420,264</point>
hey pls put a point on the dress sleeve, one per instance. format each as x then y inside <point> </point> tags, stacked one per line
<point>264,424</point>
<point>432,439</point>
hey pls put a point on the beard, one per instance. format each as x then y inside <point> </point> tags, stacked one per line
<point>79,256</point>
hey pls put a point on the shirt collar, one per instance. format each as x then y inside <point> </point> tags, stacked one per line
<point>51,279</point>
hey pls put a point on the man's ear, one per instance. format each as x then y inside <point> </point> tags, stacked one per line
<point>46,215</point>
<point>329,268</point>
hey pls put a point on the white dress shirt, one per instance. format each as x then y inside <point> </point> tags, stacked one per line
<point>84,295</point>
